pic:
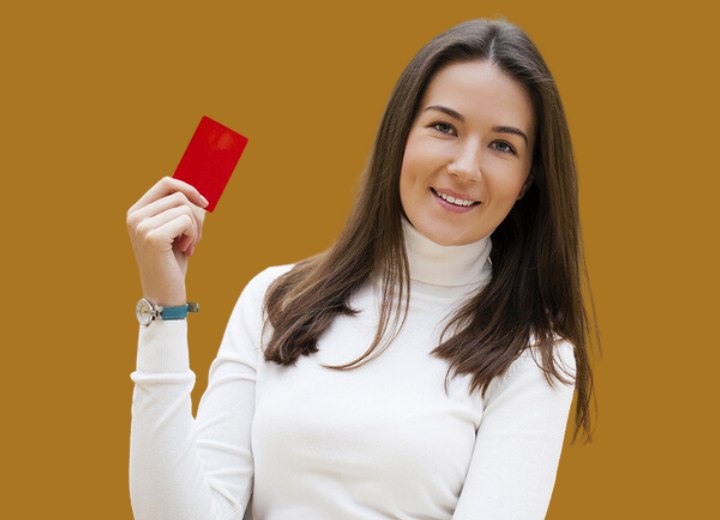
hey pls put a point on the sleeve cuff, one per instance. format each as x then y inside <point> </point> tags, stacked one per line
<point>163,347</point>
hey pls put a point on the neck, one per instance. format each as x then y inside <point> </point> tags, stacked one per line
<point>449,266</point>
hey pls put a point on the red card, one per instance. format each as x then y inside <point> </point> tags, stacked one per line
<point>210,159</point>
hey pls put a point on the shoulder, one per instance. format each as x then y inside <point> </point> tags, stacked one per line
<point>248,312</point>
<point>264,278</point>
<point>527,380</point>
<point>563,353</point>
<point>259,284</point>
<point>253,294</point>
<point>530,362</point>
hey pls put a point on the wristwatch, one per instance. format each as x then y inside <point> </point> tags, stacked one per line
<point>146,312</point>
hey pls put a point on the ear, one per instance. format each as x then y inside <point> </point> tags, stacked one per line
<point>523,190</point>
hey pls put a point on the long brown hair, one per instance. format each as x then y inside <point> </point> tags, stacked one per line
<point>537,257</point>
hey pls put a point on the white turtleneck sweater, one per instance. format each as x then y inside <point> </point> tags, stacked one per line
<point>383,441</point>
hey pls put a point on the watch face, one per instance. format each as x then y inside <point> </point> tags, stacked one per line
<point>144,312</point>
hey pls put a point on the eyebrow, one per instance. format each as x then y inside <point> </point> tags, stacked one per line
<point>458,116</point>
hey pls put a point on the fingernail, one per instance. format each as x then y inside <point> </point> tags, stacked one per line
<point>204,201</point>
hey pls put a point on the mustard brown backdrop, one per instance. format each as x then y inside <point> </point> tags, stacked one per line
<point>99,100</point>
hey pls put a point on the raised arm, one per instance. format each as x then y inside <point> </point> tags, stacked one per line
<point>518,443</point>
<point>181,467</point>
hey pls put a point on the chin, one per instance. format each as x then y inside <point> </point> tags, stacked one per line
<point>443,237</point>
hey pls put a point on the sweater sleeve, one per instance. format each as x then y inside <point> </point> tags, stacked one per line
<point>187,468</point>
<point>518,443</point>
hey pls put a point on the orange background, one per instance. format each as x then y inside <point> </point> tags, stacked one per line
<point>100,99</point>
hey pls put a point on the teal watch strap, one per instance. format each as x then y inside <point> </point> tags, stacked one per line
<point>180,312</point>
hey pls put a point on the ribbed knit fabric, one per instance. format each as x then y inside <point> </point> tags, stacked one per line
<point>383,441</point>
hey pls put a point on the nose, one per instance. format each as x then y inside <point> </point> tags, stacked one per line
<point>465,165</point>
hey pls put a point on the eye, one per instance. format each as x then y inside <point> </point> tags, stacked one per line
<point>444,128</point>
<point>504,146</point>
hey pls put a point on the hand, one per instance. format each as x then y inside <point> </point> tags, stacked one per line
<point>165,225</point>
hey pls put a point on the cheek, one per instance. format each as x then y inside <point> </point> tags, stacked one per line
<point>413,179</point>
<point>416,164</point>
<point>406,185</point>
<point>505,189</point>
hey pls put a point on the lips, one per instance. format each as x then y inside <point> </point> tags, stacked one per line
<point>457,199</point>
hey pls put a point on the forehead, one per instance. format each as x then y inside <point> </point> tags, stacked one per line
<point>482,93</point>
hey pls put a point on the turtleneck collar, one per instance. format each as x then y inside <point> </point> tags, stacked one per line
<point>450,266</point>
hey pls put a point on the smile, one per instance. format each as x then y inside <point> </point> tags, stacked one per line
<point>453,200</point>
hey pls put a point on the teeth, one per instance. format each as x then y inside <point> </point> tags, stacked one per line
<point>453,200</point>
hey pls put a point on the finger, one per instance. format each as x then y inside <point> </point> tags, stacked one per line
<point>166,186</point>
<point>183,243</point>
<point>150,225</point>
<point>159,206</point>
<point>163,237</point>
<point>200,218</point>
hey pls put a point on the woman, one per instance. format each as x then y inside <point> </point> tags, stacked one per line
<point>423,366</point>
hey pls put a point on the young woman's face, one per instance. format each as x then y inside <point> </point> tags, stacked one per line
<point>468,154</point>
